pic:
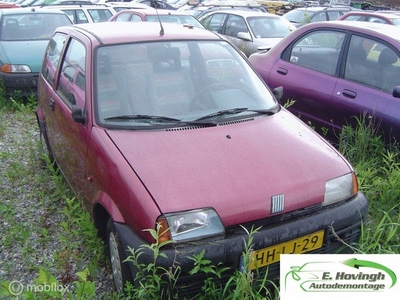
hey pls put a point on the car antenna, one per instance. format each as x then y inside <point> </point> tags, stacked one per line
<point>159,20</point>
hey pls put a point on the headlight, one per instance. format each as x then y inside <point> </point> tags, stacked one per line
<point>191,225</point>
<point>340,188</point>
<point>7,68</point>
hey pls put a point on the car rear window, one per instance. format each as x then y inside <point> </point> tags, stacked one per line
<point>31,26</point>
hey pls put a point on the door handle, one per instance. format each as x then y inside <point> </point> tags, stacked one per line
<point>349,94</point>
<point>282,71</point>
<point>51,104</point>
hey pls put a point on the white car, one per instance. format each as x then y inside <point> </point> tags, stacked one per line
<point>85,13</point>
<point>250,30</point>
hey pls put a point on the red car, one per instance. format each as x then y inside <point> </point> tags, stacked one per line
<point>153,15</point>
<point>370,16</point>
<point>8,5</point>
<point>170,125</point>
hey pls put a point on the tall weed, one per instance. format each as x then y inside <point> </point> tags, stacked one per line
<point>378,171</point>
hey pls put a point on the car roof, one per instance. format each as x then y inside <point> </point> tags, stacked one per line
<point>126,5</point>
<point>371,13</point>
<point>151,11</point>
<point>120,32</point>
<point>319,8</point>
<point>77,6</point>
<point>366,27</point>
<point>28,10</point>
<point>244,13</point>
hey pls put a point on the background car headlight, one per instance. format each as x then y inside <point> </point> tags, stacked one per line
<point>193,224</point>
<point>340,188</point>
<point>7,68</point>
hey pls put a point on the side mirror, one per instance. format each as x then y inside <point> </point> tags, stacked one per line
<point>77,114</point>
<point>244,36</point>
<point>396,92</point>
<point>278,92</point>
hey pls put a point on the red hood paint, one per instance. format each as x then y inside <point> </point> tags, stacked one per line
<point>235,168</point>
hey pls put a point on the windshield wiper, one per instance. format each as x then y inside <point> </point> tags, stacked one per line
<point>231,111</point>
<point>147,118</point>
<point>234,111</point>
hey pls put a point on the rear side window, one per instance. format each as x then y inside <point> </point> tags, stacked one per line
<point>334,15</point>
<point>318,50</point>
<point>76,16</point>
<point>373,64</point>
<point>100,15</point>
<point>127,17</point>
<point>71,87</point>
<point>52,57</point>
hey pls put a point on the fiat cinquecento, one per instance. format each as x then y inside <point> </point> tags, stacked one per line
<point>169,125</point>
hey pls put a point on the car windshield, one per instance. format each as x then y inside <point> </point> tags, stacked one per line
<point>22,27</point>
<point>298,16</point>
<point>270,27</point>
<point>183,19</point>
<point>396,21</point>
<point>182,82</point>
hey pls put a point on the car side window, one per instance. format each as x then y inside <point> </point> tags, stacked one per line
<point>215,22</point>
<point>52,57</point>
<point>99,15</point>
<point>372,63</point>
<point>71,87</point>
<point>318,50</point>
<point>377,20</point>
<point>234,25</point>
<point>333,15</point>
<point>319,16</point>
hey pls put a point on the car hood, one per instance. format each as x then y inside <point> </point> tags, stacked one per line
<point>235,168</point>
<point>24,53</point>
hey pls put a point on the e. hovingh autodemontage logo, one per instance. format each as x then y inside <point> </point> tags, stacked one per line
<point>350,275</point>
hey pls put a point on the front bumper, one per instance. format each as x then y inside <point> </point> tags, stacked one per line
<point>341,222</point>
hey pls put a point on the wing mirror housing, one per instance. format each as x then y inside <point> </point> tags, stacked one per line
<point>278,92</point>
<point>244,36</point>
<point>77,114</point>
<point>396,91</point>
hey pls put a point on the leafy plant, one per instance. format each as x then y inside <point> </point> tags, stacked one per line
<point>155,281</point>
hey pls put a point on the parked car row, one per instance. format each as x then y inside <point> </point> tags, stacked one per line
<point>171,126</point>
<point>257,29</point>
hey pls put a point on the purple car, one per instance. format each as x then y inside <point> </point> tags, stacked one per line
<point>335,71</point>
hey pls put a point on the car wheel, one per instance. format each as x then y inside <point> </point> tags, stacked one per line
<point>120,270</point>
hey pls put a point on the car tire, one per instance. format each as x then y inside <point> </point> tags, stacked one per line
<point>120,269</point>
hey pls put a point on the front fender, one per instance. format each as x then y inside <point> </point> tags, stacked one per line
<point>108,204</point>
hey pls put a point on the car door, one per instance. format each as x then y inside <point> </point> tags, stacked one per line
<point>234,25</point>
<point>68,138</point>
<point>367,82</point>
<point>307,71</point>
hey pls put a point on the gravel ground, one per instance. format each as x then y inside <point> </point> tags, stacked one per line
<point>31,217</point>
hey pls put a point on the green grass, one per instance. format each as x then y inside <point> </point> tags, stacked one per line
<point>79,258</point>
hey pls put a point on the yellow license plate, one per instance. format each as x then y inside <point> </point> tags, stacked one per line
<point>270,255</point>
